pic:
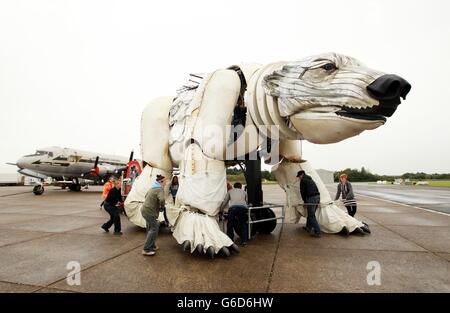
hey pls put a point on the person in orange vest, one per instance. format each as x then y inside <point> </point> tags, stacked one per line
<point>112,203</point>
<point>106,188</point>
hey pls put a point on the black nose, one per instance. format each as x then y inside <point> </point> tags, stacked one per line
<point>389,88</point>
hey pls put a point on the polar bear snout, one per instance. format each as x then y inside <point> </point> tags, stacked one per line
<point>389,86</point>
<point>388,89</point>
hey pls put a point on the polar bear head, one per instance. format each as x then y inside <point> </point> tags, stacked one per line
<point>330,97</point>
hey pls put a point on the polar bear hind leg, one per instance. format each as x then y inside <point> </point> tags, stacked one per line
<point>155,154</point>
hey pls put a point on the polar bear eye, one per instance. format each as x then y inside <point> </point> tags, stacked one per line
<point>329,67</point>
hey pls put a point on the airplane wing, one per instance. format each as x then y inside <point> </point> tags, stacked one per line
<point>104,169</point>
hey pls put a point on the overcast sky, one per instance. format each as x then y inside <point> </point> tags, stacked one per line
<point>79,73</point>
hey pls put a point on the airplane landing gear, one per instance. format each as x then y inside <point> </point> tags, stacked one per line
<point>38,190</point>
<point>75,187</point>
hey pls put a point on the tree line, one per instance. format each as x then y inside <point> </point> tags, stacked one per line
<point>355,175</point>
<point>237,175</point>
<point>364,175</point>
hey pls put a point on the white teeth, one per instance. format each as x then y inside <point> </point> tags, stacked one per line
<point>363,106</point>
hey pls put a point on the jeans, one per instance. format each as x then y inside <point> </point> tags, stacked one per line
<point>114,214</point>
<point>351,209</point>
<point>239,212</point>
<point>311,221</point>
<point>152,232</point>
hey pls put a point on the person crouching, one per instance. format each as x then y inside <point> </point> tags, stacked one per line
<point>112,200</point>
<point>346,189</point>
<point>237,199</point>
<point>154,200</point>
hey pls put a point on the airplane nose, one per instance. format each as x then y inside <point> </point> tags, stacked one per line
<point>389,87</point>
<point>21,163</point>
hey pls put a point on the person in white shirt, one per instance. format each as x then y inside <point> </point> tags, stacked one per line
<point>237,199</point>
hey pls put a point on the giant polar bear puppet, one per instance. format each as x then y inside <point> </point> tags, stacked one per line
<point>323,99</point>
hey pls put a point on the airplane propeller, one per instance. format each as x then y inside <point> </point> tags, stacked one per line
<point>95,170</point>
<point>123,169</point>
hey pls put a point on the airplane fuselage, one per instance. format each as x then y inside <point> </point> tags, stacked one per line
<point>69,163</point>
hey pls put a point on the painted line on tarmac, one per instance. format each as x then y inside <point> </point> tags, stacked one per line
<point>14,194</point>
<point>404,204</point>
<point>272,268</point>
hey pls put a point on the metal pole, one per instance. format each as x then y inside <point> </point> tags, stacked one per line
<point>249,224</point>
<point>254,182</point>
<point>254,185</point>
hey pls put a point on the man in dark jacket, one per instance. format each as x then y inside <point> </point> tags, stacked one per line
<point>114,197</point>
<point>311,197</point>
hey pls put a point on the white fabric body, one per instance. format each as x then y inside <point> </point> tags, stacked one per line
<point>172,135</point>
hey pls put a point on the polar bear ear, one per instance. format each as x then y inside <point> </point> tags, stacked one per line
<point>284,82</point>
<point>271,85</point>
<point>290,81</point>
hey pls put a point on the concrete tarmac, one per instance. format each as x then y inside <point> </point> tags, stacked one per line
<point>40,235</point>
<point>432,198</point>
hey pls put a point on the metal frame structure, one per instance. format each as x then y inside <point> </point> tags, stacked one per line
<point>255,194</point>
<point>266,206</point>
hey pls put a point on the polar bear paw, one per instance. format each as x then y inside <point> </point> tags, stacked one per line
<point>200,233</point>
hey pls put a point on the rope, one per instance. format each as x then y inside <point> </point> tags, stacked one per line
<point>336,202</point>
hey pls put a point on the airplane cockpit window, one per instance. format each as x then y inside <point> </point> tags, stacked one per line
<point>40,152</point>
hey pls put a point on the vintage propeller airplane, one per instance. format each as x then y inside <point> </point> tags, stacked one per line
<point>70,168</point>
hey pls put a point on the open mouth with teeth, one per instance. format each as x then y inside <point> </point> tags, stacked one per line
<point>376,113</point>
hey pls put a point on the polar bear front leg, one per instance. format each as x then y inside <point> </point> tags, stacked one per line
<point>283,171</point>
<point>200,194</point>
<point>330,217</point>
<point>290,152</point>
<point>202,180</point>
